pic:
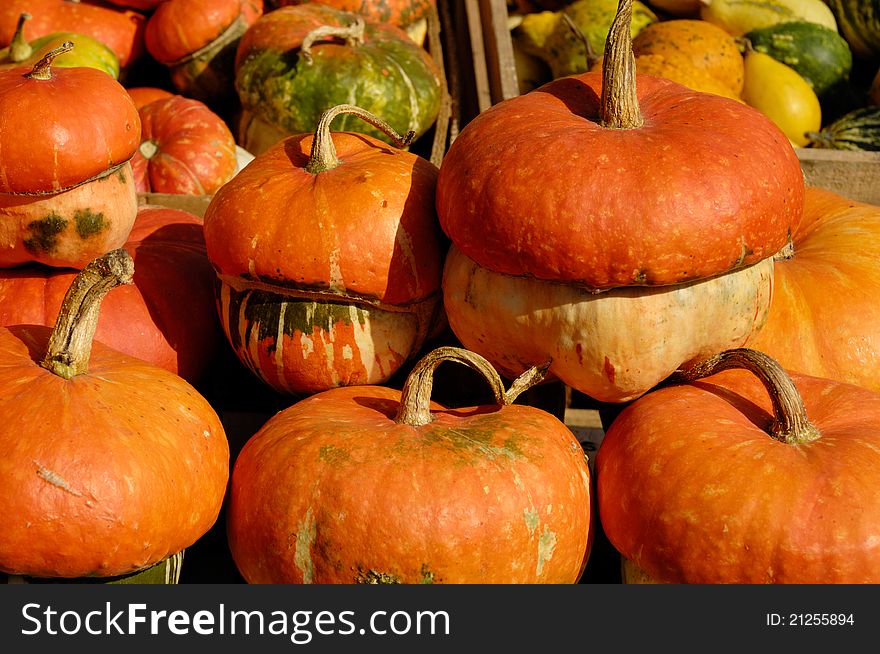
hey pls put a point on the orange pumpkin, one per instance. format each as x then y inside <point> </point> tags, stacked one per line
<point>185,148</point>
<point>66,190</point>
<point>745,476</point>
<point>108,464</point>
<point>197,39</point>
<point>144,95</point>
<point>329,258</point>
<point>824,319</point>
<point>371,485</point>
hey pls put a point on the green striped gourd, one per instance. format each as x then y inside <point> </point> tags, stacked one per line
<point>738,17</point>
<point>857,130</point>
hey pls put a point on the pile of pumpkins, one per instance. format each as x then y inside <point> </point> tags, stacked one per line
<point>812,66</point>
<point>651,246</point>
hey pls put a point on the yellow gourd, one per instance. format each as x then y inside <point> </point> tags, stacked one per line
<point>739,17</point>
<point>782,95</point>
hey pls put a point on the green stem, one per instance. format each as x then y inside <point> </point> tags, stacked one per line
<point>70,343</point>
<point>620,106</point>
<point>323,157</point>
<point>790,423</point>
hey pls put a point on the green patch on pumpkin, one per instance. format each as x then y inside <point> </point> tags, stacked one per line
<point>376,577</point>
<point>332,454</point>
<point>44,234</point>
<point>89,223</point>
<point>265,311</point>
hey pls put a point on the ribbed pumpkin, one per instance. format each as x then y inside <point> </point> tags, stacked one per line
<point>824,318</point>
<point>196,40</point>
<point>185,148</point>
<point>108,464</point>
<point>857,130</point>
<point>372,485</point>
<point>122,30</point>
<point>329,258</point>
<point>296,62</point>
<point>66,190</point>
<point>748,476</point>
<point>88,52</point>
<point>403,13</point>
<point>596,183</point>
<point>166,317</point>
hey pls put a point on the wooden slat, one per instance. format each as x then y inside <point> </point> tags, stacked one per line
<point>482,89</point>
<point>500,64</point>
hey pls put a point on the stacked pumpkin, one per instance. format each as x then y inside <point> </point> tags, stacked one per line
<point>616,230</point>
<point>74,427</point>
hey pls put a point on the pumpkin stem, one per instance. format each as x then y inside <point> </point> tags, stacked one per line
<point>415,399</point>
<point>580,36</point>
<point>19,48</point>
<point>790,424</point>
<point>42,69</point>
<point>71,341</point>
<point>620,106</point>
<point>352,34</point>
<point>323,153</point>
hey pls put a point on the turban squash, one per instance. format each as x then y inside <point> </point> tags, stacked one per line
<point>329,256</point>
<point>373,485</point>
<point>296,62</point>
<point>67,194</point>
<point>609,186</point>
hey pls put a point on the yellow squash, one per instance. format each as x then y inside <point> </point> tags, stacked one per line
<point>781,94</point>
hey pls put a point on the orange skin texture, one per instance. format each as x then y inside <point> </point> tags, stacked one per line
<point>122,30</point>
<point>332,489</point>
<point>693,490</point>
<point>535,186</point>
<point>144,95</point>
<point>140,5</point>
<point>54,136</point>
<point>180,27</point>
<point>196,150</point>
<point>825,319</point>
<point>106,473</point>
<point>698,44</point>
<point>396,12</point>
<point>167,317</point>
<point>366,228</point>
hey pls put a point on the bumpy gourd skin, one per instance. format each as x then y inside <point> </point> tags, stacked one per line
<point>388,74</point>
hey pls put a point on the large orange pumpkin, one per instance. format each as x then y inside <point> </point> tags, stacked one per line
<point>66,190</point>
<point>609,181</point>
<point>108,464</point>
<point>371,485</point>
<point>745,476</point>
<point>602,201</point>
<point>824,319</point>
<point>166,317</point>
<point>329,258</point>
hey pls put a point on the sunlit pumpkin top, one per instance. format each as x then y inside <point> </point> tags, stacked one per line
<point>60,127</point>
